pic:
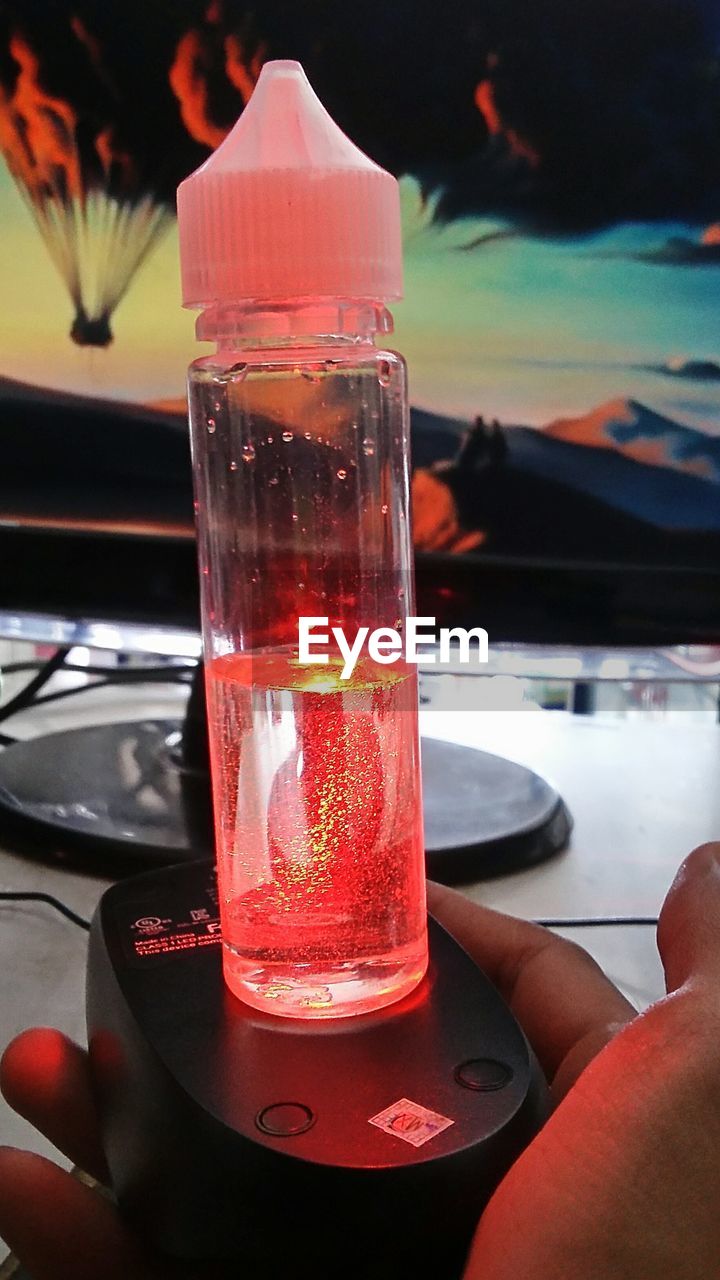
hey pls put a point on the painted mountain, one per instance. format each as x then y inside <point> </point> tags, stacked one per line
<point>621,484</point>
<point>636,432</point>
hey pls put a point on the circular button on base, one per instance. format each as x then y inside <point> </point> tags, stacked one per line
<point>284,1119</point>
<point>483,1074</point>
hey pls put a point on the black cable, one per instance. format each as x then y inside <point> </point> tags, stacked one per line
<point>26,696</point>
<point>98,684</point>
<point>587,922</point>
<point>69,693</point>
<point>48,899</point>
<point>156,674</point>
<point>566,923</point>
<point>171,675</point>
<point>15,668</point>
<point>177,675</point>
<point>122,674</point>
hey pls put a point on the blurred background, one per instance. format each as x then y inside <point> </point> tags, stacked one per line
<point>560,182</point>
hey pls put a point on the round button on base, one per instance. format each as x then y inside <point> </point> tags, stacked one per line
<point>284,1119</point>
<point>485,1075</point>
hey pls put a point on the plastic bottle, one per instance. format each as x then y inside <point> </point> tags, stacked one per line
<point>290,245</point>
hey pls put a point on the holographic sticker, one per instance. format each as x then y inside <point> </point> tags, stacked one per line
<point>411,1122</point>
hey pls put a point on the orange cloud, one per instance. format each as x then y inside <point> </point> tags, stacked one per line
<point>487,106</point>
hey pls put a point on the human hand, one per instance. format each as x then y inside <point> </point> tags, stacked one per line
<point>620,1183</point>
<point>60,1228</point>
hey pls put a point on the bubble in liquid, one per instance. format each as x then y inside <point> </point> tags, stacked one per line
<point>295,517</point>
<point>273,480</point>
<point>269,439</point>
<point>287,436</point>
<point>341,473</point>
<point>233,466</point>
<point>308,435</point>
<point>211,424</point>
<point>368,447</point>
<point>384,508</point>
<point>384,373</point>
<point>239,369</point>
<point>248,453</point>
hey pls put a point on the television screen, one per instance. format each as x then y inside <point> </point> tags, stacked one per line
<point>559,173</point>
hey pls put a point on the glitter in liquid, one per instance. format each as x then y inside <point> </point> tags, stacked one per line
<point>319,833</point>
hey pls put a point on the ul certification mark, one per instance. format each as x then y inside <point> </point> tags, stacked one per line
<point>189,928</point>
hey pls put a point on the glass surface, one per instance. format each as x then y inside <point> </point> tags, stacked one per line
<point>319,833</point>
<point>301,479</point>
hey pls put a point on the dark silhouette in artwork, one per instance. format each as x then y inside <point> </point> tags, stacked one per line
<point>482,445</point>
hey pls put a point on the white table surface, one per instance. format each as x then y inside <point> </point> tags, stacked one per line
<point>642,793</point>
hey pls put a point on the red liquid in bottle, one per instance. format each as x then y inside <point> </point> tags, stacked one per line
<point>319,832</point>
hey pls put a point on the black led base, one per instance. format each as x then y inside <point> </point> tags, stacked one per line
<point>360,1147</point>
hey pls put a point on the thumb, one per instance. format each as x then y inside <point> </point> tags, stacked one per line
<point>689,925</point>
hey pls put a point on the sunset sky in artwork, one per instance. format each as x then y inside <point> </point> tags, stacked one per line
<point>520,328</point>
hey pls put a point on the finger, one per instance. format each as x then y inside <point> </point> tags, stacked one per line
<point>689,925</point>
<point>562,999</point>
<point>60,1229</point>
<point>46,1079</point>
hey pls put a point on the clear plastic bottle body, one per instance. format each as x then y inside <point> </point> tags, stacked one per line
<point>300,451</point>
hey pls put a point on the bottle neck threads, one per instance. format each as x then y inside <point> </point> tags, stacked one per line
<point>294,322</point>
